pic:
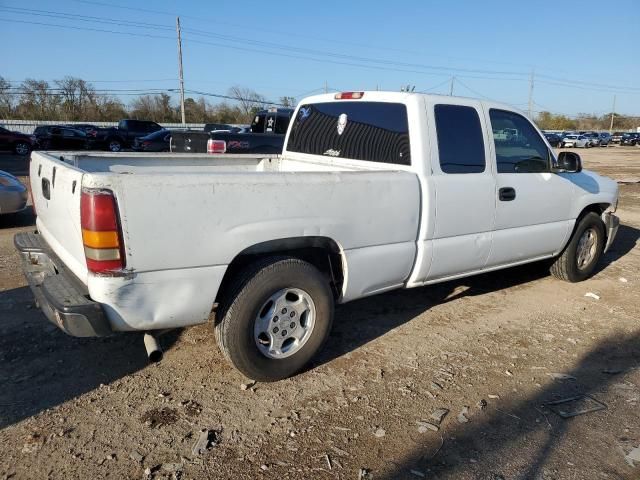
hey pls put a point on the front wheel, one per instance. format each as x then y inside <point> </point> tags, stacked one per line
<point>580,257</point>
<point>276,316</point>
<point>114,145</point>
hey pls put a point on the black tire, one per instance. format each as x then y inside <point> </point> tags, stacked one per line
<point>565,266</point>
<point>22,148</point>
<point>242,303</point>
<point>114,145</point>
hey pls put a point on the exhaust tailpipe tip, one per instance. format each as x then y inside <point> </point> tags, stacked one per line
<point>151,344</point>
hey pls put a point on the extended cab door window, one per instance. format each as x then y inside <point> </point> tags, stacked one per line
<point>460,144</point>
<point>372,131</point>
<point>519,147</point>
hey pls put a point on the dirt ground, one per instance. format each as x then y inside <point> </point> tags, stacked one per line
<point>492,350</point>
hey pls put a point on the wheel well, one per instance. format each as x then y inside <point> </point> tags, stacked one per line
<point>321,252</point>
<point>598,208</point>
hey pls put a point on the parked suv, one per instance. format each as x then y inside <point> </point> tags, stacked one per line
<point>56,137</point>
<point>630,139</point>
<point>124,135</point>
<point>19,143</point>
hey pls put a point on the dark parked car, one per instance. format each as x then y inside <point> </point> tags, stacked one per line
<point>554,139</point>
<point>56,137</point>
<point>123,136</point>
<point>630,139</point>
<point>16,142</point>
<point>154,142</point>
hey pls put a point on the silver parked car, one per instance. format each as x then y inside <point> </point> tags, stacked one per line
<point>593,137</point>
<point>576,141</point>
<point>13,194</point>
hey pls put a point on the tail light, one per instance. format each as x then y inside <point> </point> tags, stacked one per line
<point>101,232</point>
<point>348,95</point>
<point>216,146</point>
<point>146,143</point>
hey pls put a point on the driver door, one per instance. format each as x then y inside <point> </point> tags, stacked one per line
<point>533,205</point>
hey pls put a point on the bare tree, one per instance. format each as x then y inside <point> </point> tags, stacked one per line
<point>7,99</point>
<point>249,101</point>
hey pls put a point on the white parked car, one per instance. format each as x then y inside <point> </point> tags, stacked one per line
<point>374,191</point>
<point>576,141</point>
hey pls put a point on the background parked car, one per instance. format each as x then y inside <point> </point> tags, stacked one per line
<point>630,139</point>
<point>605,139</point>
<point>615,138</point>
<point>576,141</point>
<point>593,137</point>
<point>123,136</point>
<point>17,142</point>
<point>13,194</point>
<point>554,139</point>
<point>154,142</point>
<point>57,137</point>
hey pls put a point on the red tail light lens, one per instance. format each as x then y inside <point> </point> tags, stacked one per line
<point>101,232</point>
<point>146,143</point>
<point>349,95</point>
<point>216,146</point>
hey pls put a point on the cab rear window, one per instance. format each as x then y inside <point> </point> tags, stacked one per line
<point>372,131</point>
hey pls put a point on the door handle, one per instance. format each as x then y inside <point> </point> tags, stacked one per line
<point>506,194</point>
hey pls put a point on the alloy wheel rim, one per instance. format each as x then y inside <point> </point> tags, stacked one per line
<point>284,323</point>
<point>22,149</point>
<point>587,247</point>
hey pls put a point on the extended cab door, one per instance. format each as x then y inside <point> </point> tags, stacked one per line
<point>533,205</point>
<point>464,184</point>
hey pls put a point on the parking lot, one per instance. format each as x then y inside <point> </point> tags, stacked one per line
<point>447,382</point>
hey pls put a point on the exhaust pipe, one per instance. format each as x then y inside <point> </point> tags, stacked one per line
<point>151,344</point>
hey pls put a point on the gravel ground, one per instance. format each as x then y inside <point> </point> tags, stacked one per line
<point>444,382</point>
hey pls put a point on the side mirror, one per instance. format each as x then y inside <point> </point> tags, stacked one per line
<point>569,162</point>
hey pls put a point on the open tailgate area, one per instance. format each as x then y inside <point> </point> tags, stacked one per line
<point>56,187</point>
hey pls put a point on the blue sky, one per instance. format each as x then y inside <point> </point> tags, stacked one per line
<point>582,52</point>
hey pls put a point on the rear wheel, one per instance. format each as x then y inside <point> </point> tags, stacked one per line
<point>22,148</point>
<point>580,257</point>
<point>276,316</point>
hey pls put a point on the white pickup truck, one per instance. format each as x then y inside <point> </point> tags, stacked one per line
<point>374,191</point>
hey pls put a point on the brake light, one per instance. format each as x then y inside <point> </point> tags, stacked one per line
<point>348,95</point>
<point>216,146</point>
<point>146,143</point>
<point>101,233</point>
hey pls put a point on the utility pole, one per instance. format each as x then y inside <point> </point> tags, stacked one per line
<point>531,95</point>
<point>453,78</point>
<point>613,114</point>
<point>180,70</point>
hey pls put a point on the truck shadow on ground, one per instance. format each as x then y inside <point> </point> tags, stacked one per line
<point>42,367</point>
<point>353,326</point>
<point>493,438</point>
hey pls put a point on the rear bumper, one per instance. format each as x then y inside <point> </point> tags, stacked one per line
<point>611,222</point>
<point>60,295</point>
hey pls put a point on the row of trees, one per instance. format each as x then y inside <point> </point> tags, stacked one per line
<point>74,99</point>
<point>584,121</point>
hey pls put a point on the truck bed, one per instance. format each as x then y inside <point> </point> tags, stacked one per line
<point>184,218</point>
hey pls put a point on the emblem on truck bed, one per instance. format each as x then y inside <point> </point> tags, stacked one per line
<point>342,123</point>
